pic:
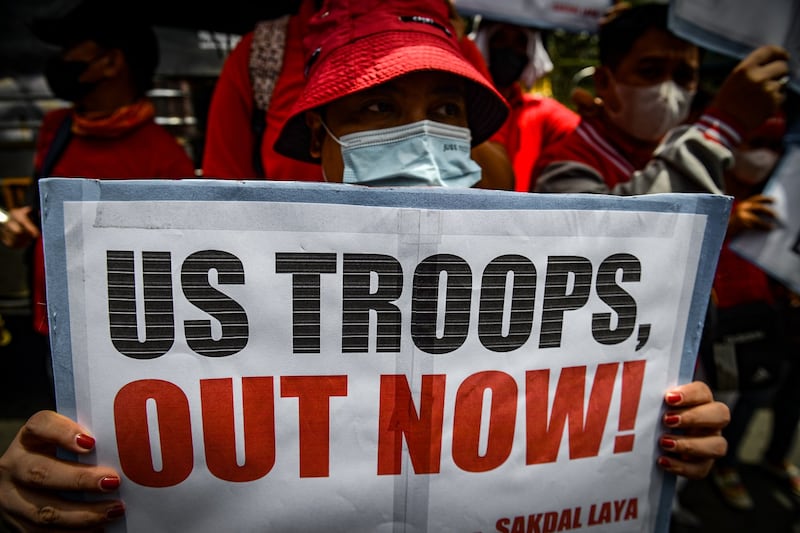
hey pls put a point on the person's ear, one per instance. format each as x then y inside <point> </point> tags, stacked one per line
<point>585,102</point>
<point>601,78</point>
<point>602,84</point>
<point>314,123</point>
<point>115,62</point>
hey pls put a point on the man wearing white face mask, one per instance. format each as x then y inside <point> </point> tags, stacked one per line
<point>634,140</point>
<point>648,112</point>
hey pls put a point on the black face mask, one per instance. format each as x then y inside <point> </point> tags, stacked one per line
<point>62,77</point>
<point>506,66</point>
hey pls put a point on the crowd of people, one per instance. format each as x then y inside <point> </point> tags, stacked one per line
<point>341,91</point>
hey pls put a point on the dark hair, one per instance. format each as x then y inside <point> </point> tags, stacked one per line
<point>618,33</point>
<point>98,21</point>
<point>141,54</point>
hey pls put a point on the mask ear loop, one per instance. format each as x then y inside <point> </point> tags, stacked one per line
<point>334,137</point>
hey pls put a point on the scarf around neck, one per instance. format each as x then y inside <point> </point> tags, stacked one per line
<point>118,123</point>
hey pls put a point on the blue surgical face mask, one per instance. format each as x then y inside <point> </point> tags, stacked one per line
<point>424,153</point>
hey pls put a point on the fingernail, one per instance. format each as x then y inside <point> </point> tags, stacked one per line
<point>672,420</point>
<point>668,443</point>
<point>109,483</point>
<point>663,462</point>
<point>115,512</point>
<point>84,441</point>
<point>674,397</point>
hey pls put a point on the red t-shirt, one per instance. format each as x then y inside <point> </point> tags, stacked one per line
<point>147,151</point>
<point>738,281</point>
<point>535,122</point>
<point>595,145</point>
<point>228,150</point>
<point>590,143</point>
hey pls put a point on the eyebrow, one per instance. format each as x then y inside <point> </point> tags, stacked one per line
<point>658,59</point>
<point>447,89</point>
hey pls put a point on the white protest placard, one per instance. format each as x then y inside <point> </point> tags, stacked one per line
<point>777,252</point>
<point>573,15</point>
<point>257,356</point>
<point>736,27</point>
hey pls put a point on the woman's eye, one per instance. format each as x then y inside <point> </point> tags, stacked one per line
<point>379,107</point>
<point>450,109</point>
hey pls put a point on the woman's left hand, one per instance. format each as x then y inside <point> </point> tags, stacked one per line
<point>691,452</point>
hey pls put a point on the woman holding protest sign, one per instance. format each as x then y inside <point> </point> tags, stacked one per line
<point>385,72</point>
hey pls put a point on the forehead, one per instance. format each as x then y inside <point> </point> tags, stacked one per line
<point>415,85</point>
<point>656,45</point>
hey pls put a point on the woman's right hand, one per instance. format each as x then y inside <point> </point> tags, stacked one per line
<point>33,479</point>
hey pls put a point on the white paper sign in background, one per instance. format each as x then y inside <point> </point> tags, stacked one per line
<point>573,15</point>
<point>736,27</point>
<point>777,251</point>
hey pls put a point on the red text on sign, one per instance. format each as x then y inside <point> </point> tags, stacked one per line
<point>419,422</point>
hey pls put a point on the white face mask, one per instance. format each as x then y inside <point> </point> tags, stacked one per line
<point>425,153</point>
<point>647,113</point>
<point>754,166</point>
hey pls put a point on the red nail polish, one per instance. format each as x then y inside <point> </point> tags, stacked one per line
<point>84,441</point>
<point>664,462</point>
<point>109,483</point>
<point>672,420</point>
<point>115,512</point>
<point>668,443</point>
<point>674,397</point>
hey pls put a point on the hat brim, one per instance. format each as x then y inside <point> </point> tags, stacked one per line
<point>382,57</point>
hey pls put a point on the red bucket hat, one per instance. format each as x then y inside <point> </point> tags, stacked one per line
<point>354,45</point>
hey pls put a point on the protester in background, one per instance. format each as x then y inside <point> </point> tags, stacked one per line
<point>105,67</point>
<point>497,170</point>
<point>645,81</point>
<point>785,403</point>
<point>775,387</point>
<point>517,59</point>
<point>749,324</point>
<point>259,83</point>
<point>389,76</point>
